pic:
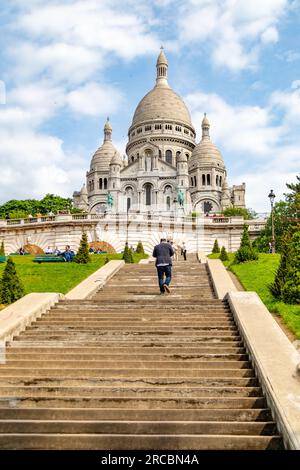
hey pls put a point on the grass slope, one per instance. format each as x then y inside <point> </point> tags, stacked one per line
<point>57,277</point>
<point>257,276</point>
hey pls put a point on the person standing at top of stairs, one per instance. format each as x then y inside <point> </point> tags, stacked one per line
<point>163,253</point>
<point>183,251</point>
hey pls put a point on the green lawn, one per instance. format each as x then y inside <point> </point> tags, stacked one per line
<point>57,277</point>
<point>256,276</point>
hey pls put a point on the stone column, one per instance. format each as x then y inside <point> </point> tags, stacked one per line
<point>213,176</point>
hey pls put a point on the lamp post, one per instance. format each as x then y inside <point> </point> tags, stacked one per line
<point>272,197</point>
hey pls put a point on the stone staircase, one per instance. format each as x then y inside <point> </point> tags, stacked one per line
<point>131,369</point>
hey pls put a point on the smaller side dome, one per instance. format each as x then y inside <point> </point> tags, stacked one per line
<point>116,159</point>
<point>205,152</point>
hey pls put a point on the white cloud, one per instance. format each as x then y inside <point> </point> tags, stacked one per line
<point>270,36</point>
<point>235,30</point>
<point>295,84</point>
<point>95,100</point>
<point>249,136</point>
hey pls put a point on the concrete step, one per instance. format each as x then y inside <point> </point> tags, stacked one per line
<point>138,427</point>
<point>181,374</point>
<point>139,442</point>
<point>16,350</point>
<point>240,415</point>
<point>213,363</point>
<point>130,382</point>
<point>115,357</point>
<point>96,391</point>
<point>177,329</point>
<point>133,402</point>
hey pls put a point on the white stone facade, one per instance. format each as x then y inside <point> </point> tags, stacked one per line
<point>162,160</point>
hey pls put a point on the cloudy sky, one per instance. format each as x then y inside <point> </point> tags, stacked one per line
<point>67,64</point>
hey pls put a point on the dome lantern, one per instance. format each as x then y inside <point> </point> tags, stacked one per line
<point>205,128</point>
<point>107,130</point>
<point>162,69</point>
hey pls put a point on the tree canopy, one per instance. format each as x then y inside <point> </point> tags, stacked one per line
<point>286,218</point>
<point>22,208</point>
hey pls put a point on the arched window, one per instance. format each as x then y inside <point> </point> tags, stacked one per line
<point>220,180</point>
<point>203,180</point>
<point>192,182</point>
<point>169,157</point>
<point>187,156</point>
<point>217,180</point>
<point>208,180</point>
<point>168,203</point>
<point>100,183</point>
<point>132,158</point>
<point>195,180</point>
<point>105,183</point>
<point>128,203</point>
<point>148,189</point>
<point>177,155</point>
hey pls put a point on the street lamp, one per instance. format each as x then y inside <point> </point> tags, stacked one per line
<point>272,197</point>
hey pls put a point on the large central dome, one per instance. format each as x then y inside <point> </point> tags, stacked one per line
<point>161,103</point>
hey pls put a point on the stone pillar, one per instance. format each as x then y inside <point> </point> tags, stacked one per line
<point>213,176</point>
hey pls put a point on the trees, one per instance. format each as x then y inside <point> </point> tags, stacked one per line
<point>286,285</point>
<point>140,248</point>
<point>11,288</point>
<point>83,256</point>
<point>286,218</point>
<point>2,250</point>
<point>127,254</point>
<point>245,252</point>
<point>216,248</point>
<point>224,254</point>
<point>15,209</point>
<point>281,273</point>
<point>239,211</point>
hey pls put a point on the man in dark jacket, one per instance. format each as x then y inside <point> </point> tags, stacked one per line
<point>163,254</point>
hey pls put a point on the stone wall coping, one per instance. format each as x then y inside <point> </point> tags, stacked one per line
<point>16,317</point>
<point>89,286</point>
<point>221,280</point>
<point>276,360</point>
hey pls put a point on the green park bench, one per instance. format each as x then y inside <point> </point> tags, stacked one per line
<point>48,259</point>
<point>2,259</point>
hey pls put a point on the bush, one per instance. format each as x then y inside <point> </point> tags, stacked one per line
<point>246,252</point>
<point>216,248</point>
<point>224,254</point>
<point>83,256</point>
<point>11,288</point>
<point>290,292</point>
<point>239,212</point>
<point>2,250</point>
<point>281,273</point>
<point>140,248</point>
<point>128,255</point>
<point>106,260</point>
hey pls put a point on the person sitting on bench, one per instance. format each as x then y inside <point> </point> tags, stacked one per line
<point>68,254</point>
